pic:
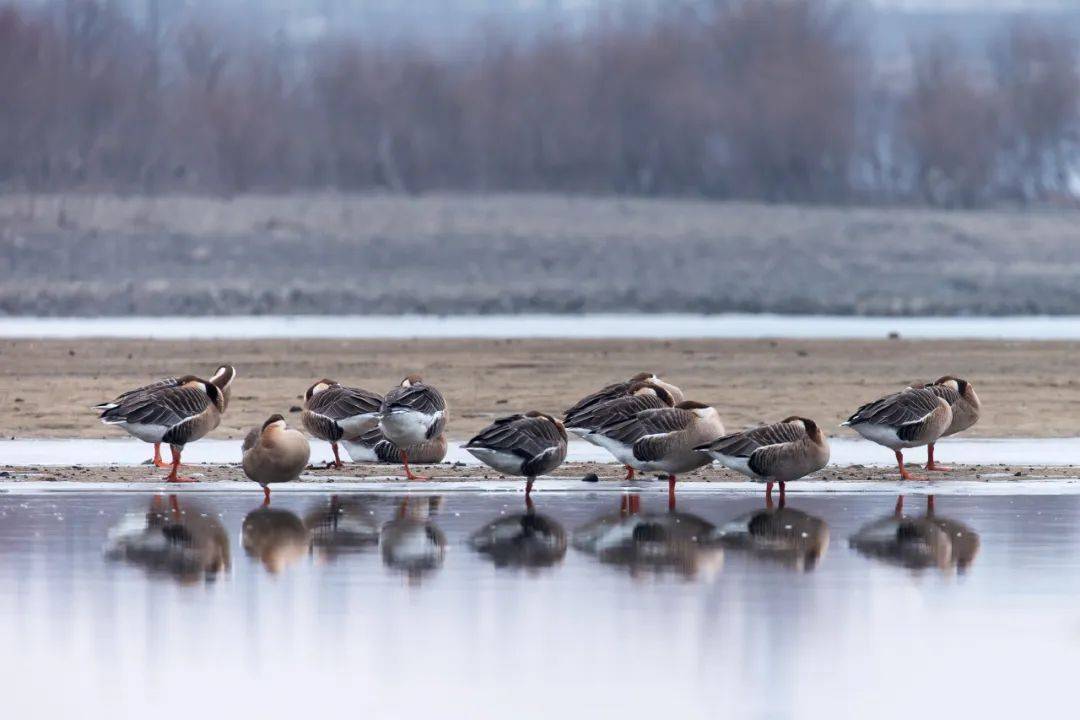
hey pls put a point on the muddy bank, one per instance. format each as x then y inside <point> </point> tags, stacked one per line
<point>103,255</point>
<point>606,473</point>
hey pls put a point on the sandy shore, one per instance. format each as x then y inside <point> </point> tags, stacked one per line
<point>1028,389</point>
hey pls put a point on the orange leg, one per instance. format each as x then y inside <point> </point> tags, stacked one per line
<point>409,473</point>
<point>528,492</point>
<point>671,492</point>
<point>337,458</point>
<point>266,495</point>
<point>629,473</point>
<point>768,495</point>
<point>904,474</point>
<point>157,456</point>
<point>930,464</point>
<point>173,477</point>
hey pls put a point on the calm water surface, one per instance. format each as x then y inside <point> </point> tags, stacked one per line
<point>136,605</point>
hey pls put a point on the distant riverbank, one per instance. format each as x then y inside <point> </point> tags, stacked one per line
<point>91,255</point>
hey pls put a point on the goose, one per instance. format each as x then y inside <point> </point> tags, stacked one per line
<point>411,414</point>
<point>521,540</point>
<point>177,412</point>
<point>664,439</point>
<point>222,379</point>
<point>622,389</point>
<point>781,452</point>
<point>641,395</point>
<point>529,445</point>
<point>277,538</point>
<point>333,411</point>
<point>275,453</point>
<point>965,405</point>
<point>910,418</point>
<point>372,447</point>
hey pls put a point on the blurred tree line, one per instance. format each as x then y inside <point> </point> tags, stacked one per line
<point>778,100</point>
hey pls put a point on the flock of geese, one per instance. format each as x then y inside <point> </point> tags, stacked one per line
<point>647,424</point>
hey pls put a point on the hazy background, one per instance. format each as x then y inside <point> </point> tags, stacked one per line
<point>487,117</point>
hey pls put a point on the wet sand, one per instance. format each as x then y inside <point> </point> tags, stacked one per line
<point>1028,389</point>
<point>607,474</point>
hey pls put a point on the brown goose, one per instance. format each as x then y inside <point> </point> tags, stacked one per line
<point>177,412</point>
<point>372,447</point>
<point>529,445</point>
<point>411,414</point>
<point>275,453</point>
<point>913,417</point>
<point>781,452</point>
<point>222,378</point>
<point>622,389</point>
<point>965,406</point>
<point>643,395</point>
<point>333,411</point>
<point>664,439</point>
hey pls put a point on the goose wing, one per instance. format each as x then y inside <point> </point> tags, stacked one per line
<point>612,411</point>
<point>605,394</point>
<point>750,443</point>
<point>341,403</point>
<point>157,384</point>
<point>164,406</point>
<point>903,408</point>
<point>533,439</point>
<point>947,392</point>
<point>419,397</point>
<point>650,431</point>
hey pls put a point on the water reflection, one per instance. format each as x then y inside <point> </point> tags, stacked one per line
<point>653,542</point>
<point>918,542</point>
<point>277,538</point>
<point>187,544</point>
<point>412,542</point>
<point>527,540</point>
<point>341,526</point>
<point>781,534</point>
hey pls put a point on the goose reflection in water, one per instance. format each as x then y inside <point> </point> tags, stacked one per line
<point>918,543</point>
<point>782,534</point>
<point>186,543</point>
<point>341,526</point>
<point>412,542</point>
<point>652,543</point>
<point>276,538</point>
<point>522,540</point>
